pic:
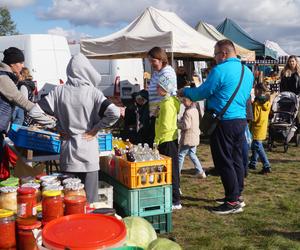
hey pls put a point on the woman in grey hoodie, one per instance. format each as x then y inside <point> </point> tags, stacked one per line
<point>81,110</point>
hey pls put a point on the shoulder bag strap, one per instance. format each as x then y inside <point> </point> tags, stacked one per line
<point>220,115</point>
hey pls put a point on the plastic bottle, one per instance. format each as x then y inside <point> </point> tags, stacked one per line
<point>151,174</point>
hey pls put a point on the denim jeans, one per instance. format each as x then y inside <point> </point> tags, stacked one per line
<point>258,152</point>
<point>18,116</point>
<point>191,152</point>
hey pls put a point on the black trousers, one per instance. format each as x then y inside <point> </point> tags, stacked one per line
<point>171,149</point>
<point>226,147</point>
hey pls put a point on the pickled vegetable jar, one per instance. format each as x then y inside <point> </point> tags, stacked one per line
<point>75,204</point>
<point>72,189</point>
<point>26,205</point>
<point>52,205</point>
<point>25,237</point>
<point>8,198</point>
<point>7,229</point>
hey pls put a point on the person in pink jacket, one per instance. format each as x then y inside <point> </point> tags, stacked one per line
<point>190,136</point>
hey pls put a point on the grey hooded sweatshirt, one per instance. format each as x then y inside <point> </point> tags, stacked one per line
<point>80,107</point>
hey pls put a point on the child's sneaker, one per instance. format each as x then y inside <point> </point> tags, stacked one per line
<point>176,207</point>
<point>251,166</point>
<point>201,175</point>
<point>265,171</point>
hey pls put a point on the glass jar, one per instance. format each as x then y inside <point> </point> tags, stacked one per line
<point>53,187</point>
<point>75,205</point>
<point>48,178</point>
<point>8,198</point>
<point>26,206</point>
<point>36,186</point>
<point>7,229</point>
<point>52,206</point>
<point>76,189</point>
<point>25,237</point>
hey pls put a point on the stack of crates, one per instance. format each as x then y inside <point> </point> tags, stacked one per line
<point>140,192</point>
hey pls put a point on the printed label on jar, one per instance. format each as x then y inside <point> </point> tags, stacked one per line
<point>21,211</point>
<point>34,210</point>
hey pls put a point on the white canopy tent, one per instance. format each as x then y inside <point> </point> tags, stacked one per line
<point>152,28</point>
<point>275,46</point>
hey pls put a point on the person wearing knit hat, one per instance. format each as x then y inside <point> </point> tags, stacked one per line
<point>13,55</point>
<point>166,134</point>
<point>10,96</point>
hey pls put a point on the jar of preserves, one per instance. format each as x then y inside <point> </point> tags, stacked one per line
<point>72,189</point>
<point>48,178</point>
<point>7,229</point>
<point>26,205</point>
<point>75,204</point>
<point>25,236</point>
<point>36,186</point>
<point>8,198</point>
<point>52,205</point>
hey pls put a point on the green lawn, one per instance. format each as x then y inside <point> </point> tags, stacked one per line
<point>271,218</point>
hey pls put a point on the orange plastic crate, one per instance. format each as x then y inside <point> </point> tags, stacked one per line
<point>129,173</point>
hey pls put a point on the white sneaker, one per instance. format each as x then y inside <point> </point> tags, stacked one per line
<point>201,175</point>
<point>176,207</point>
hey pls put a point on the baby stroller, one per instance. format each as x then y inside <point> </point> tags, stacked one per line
<point>283,125</point>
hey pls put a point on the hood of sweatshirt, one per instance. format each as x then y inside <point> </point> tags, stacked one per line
<point>80,72</point>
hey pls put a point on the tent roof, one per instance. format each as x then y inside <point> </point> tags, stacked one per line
<point>152,28</point>
<point>275,46</point>
<point>211,32</point>
<point>234,32</point>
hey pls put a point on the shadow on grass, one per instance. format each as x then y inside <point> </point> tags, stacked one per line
<point>189,198</point>
<point>288,235</point>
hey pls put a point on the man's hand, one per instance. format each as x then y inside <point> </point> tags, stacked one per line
<point>90,135</point>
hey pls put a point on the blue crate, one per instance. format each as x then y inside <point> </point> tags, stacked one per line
<point>38,140</point>
<point>105,142</point>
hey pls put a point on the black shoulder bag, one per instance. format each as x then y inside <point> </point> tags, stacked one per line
<point>210,119</point>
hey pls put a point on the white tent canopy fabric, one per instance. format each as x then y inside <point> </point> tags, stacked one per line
<point>275,46</point>
<point>211,32</point>
<point>152,28</point>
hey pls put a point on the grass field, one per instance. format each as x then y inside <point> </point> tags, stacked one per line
<point>271,218</point>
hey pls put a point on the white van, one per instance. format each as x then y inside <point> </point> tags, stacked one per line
<point>46,56</point>
<point>119,76</point>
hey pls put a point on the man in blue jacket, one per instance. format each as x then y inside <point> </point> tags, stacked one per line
<point>226,142</point>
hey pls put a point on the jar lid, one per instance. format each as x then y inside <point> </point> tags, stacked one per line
<point>48,178</point>
<point>10,182</point>
<point>53,187</point>
<point>74,186</point>
<point>36,225</point>
<point>38,177</point>
<point>84,231</point>
<point>26,190</point>
<point>75,199</point>
<point>6,213</point>
<point>52,183</point>
<point>104,211</point>
<point>8,189</point>
<point>51,193</point>
<point>31,184</point>
<point>71,180</point>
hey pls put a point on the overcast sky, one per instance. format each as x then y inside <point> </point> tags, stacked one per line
<point>276,20</point>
